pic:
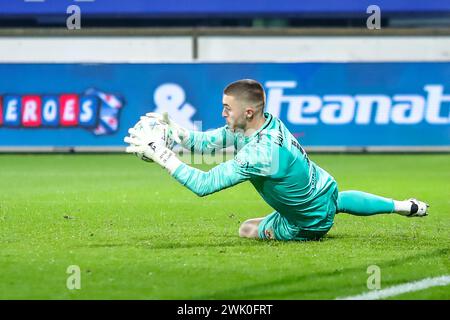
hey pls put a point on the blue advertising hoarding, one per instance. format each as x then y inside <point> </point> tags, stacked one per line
<point>322,104</point>
<point>205,8</point>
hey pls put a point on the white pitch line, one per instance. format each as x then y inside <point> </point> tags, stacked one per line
<point>401,288</point>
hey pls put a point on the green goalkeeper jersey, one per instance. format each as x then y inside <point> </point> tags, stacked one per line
<point>277,166</point>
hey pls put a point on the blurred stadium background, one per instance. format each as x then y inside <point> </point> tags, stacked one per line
<point>344,76</point>
<point>337,84</point>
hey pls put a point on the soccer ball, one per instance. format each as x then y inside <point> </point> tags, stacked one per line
<point>152,127</point>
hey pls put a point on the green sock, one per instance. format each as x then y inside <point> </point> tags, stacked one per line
<point>361,203</point>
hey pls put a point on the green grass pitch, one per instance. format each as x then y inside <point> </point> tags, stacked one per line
<point>136,233</point>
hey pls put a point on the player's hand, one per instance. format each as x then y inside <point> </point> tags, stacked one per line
<point>176,132</point>
<point>150,147</point>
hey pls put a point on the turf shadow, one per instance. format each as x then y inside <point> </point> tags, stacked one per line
<point>158,243</point>
<point>201,244</point>
<point>222,242</point>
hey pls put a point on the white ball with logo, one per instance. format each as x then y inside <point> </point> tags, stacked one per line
<point>152,127</point>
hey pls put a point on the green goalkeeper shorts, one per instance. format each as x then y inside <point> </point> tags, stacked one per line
<point>276,226</point>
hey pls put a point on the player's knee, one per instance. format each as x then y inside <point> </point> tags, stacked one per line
<point>248,229</point>
<point>243,230</point>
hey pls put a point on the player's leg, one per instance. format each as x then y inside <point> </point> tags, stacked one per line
<point>273,226</point>
<point>365,204</point>
<point>249,228</point>
<point>276,227</point>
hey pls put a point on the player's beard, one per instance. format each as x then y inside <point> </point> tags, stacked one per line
<point>236,126</point>
<point>230,124</point>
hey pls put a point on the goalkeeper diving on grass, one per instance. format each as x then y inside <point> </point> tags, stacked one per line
<point>304,196</point>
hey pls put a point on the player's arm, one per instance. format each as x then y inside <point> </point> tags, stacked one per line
<point>247,162</point>
<point>208,141</point>
<point>203,183</point>
<point>255,159</point>
<point>205,142</point>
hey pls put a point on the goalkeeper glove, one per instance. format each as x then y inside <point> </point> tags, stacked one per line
<point>151,147</point>
<point>176,132</point>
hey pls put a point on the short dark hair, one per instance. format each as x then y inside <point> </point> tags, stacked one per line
<point>249,90</point>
